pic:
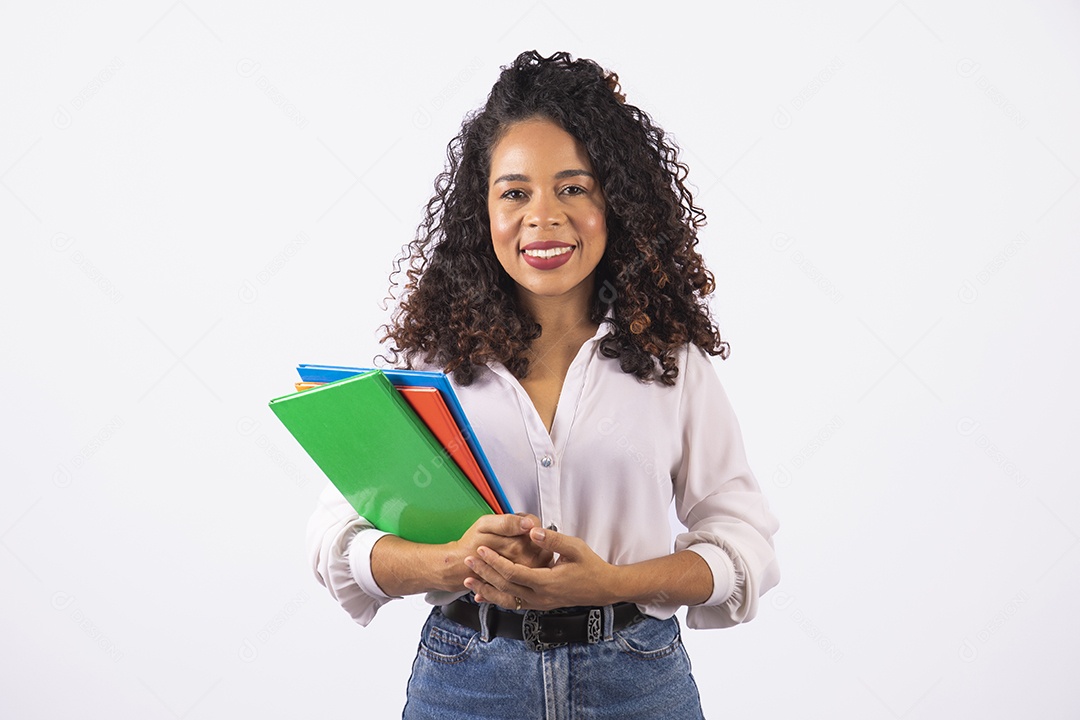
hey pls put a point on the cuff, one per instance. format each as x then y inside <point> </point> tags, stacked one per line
<point>360,562</point>
<point>723,571</point>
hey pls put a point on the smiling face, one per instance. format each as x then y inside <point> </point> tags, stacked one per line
<point>547,212</point>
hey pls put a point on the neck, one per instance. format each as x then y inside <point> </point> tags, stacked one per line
<point>562,314</point>
<point>565,326</point>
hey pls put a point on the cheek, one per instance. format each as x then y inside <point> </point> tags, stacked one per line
<point>595,224</point>
<point>503,227</point>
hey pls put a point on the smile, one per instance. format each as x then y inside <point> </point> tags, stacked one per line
<point>548,253</point>
<point>547,258</point>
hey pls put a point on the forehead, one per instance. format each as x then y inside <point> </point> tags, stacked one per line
<point>539,144</point>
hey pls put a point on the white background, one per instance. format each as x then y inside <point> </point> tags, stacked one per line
<point>194,198</point>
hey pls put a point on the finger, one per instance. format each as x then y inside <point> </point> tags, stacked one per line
<point>521,550</point>
<point>535,556</point>
<point>497,571</point>
<point>500,592</point>
<point>484,573</point>
<point>555,542</point>
<point>483,592</point>
<point>506,525</point>
<point>535,521</point>
<point>505,573</point>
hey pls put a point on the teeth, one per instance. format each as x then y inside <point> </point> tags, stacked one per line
<point>549,253</point>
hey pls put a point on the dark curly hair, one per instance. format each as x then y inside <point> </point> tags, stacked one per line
<point>459,309</point>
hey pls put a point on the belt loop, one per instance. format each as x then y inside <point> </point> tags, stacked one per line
<point>482,612</point>
<point>609,623</point>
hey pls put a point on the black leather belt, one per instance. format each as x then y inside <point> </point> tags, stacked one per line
<point>543,630</point>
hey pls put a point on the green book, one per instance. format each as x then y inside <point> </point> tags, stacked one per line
<point>374,448</point>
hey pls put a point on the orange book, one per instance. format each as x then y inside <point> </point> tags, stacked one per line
<point>429,405</point>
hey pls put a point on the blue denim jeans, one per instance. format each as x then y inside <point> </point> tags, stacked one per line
<point>641,671</point>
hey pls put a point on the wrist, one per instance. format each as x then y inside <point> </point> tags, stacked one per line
<point>625,584</point>
<point>401,567</point>
<point>447,565</point>
<point>683,578</point>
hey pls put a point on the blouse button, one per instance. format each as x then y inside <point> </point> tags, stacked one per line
<point>553,527</point>
<point>546,461</point>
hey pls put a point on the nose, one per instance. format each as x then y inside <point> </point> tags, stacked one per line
<point>544,211</point>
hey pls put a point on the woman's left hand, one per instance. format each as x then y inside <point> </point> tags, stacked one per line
<point>578,577</point>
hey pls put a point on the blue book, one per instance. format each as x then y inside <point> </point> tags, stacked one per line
<point>418,378</point>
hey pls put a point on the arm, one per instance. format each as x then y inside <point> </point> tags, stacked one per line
<point>334,532</point>
<point>728,520</point>
<point>682,578</point>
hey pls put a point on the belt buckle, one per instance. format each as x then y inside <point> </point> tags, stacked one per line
<point>530,632</point>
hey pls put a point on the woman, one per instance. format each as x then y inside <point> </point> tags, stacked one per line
<point>555,279</point>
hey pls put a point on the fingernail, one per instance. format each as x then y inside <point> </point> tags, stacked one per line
<point>539,533</point>
<point>469,562</point>
<point>482,552</point>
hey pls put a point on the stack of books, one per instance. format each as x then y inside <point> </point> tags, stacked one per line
<point>398,446</point>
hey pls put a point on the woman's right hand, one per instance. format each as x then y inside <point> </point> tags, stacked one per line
<point>401,567</point>
<point>507,535</point>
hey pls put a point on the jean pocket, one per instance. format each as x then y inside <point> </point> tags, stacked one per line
<point>446,641</point>
<point>650,639</point>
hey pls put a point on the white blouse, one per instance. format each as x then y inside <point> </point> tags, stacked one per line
<point>620,450</point>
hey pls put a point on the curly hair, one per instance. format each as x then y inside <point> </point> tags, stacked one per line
<point>459,309</point>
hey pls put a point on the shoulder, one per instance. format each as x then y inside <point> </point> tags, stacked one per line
<point>700,381</point>
<point>694,364</point>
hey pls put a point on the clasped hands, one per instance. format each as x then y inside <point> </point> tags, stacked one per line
<point>512,558</point>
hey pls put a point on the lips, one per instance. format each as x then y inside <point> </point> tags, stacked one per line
<point>547,254</point>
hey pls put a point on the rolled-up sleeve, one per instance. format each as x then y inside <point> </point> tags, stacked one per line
<point>339,542</point>
<point>727,518</point>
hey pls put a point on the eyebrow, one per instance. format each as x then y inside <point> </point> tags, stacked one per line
<point>518,177</point>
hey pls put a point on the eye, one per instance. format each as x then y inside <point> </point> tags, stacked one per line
<point>574,190</point>
<point>513,194</point>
